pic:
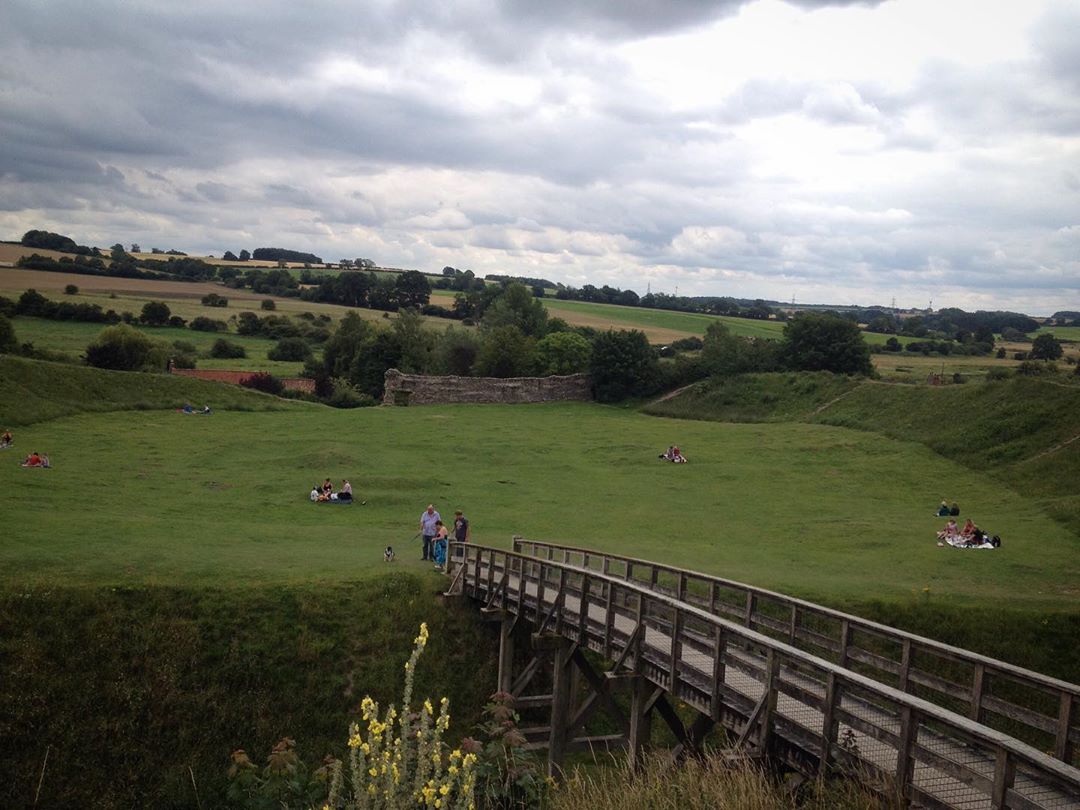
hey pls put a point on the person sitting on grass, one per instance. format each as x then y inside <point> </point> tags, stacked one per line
<point>666,455</point>
<point>954,510</point>
<point>677,457</point>
<point>943,510</point>
<point>6,440</point>
<point>327,487</point>
<point>32,460</point>
<point>968,532</point>
<point>315,493</point>
<point>438,545</point>
<point>949,533</point>
<point>346,491</point>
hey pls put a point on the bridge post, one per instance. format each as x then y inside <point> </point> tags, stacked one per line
<point>640,731</point>
<point>506,654</point>
<point>1062,746</point>
<point>560,704</point>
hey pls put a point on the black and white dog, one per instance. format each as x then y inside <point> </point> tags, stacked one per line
<point>388,555</point>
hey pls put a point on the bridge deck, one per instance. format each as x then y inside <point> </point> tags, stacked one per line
<point>726,679</point>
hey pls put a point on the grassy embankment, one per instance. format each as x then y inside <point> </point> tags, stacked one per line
<point>1017,437</point>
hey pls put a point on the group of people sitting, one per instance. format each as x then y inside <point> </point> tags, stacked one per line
<point>187,409</point>
<point>325,493</point>
<point>945,510</point>
<point>673,454</point>
<point>6,440</point>
<point>970,536</point>
<point>36,460</point>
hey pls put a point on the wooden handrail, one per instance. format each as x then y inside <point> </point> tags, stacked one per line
<point>1066,695</point>
<point>1006,752</point>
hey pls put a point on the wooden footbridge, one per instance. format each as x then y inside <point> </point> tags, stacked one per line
<point>815,689</point>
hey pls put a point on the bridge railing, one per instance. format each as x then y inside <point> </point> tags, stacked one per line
<point>1043,711</point>
<point>786,698</point>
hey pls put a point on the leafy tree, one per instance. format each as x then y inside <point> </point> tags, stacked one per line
<point>227,350</point>
<point>412,289</point>
<point>563,353</point>
<point>415,341</point>
<point>1046,347</point>
<point>267,304</point>
<point>8,342</point>
<point>820,342</point>
<point>33,303</point>
<point>214,300</point>
<point>456,351</point>
<point>1013,335</point>
<point>230,256</point>
<point>516,306</point>
<point>155,313</point>
<point>244,256</point>
<point>727,354</point>
<point>204,324</point>
<point>124,348</point>
<point>49,241</point>
<point>346,344</point>
<point>71,289</point>
<point>623,365</point>
<point>249,324</point>
<point>368,371</point>
<point>292,348</point>
<point>505,352</point>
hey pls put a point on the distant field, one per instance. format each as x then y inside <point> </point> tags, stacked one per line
<point>1071,333</point>
<point>71,338</point>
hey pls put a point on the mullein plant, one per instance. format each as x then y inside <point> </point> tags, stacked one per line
<point>401,760</point>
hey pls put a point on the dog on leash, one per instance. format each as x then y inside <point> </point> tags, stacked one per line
<point>388,555</point>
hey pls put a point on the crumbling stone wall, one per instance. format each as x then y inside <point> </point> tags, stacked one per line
<point>419,389</point>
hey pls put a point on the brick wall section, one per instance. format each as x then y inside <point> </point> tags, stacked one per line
<point>425,390</point>
<point>234,377</point>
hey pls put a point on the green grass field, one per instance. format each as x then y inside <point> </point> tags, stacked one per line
<point>222,500</point>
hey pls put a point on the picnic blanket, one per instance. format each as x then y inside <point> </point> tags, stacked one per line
<point>960,542</point>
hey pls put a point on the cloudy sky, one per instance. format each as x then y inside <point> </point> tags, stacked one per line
<point>830,152</point>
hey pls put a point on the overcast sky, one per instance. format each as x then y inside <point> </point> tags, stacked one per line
<point>830,152</point>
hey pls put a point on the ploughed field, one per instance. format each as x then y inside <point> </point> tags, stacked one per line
<point>159,498</point>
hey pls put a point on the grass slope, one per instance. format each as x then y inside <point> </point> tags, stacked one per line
<point>125,689</point>
<point>1019,432</point>
<point>32,391</point>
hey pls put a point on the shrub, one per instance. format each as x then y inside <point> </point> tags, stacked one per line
<point>1046,347</point>
<point>996,374</point>
<point>1000,354</point>
<point>71,289</point>
<point>8,343</point>
<point>265,382</point>
<point>126,349</point>
<point>155,313</point>
<point>346,395</point>
<point>214,300</point>
<point>227,350</point>
<point>184,346</point>
<point>177,321</point>
<point>204,324</point>
<point>268,304</point>
<point>1033,368</point>
<point>290,348</point>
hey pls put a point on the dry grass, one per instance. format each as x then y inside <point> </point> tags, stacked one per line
<point>707,784</point>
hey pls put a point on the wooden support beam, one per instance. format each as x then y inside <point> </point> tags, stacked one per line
<point>669,716</point>
<point>560,707</point>
<point>526,676</point>
<point>640,727</point>
<point>772,684</point>
<point>695,736</point>
<point>828,722</point>
<point>978,689</point>
<point>1066,711</point>
<point>1004,775</point>
<point>905,764</point>
<point>505,679</point>
<point>601,695</point>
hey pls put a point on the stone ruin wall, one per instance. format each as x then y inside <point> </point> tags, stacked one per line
<point>429,390</point>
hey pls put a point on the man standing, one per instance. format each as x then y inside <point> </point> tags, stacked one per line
<point>462,533</point>
<point>428,518</point>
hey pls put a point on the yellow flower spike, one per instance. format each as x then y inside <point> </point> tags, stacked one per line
<point>455,754</point>
<point>428,707</point>
<point>444,789</point>
<point>453,769</point>
<point>355,741</point>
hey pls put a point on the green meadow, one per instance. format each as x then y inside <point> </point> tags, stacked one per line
<point>159,498</point>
